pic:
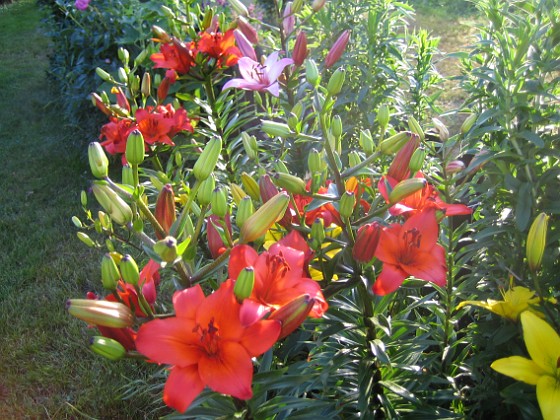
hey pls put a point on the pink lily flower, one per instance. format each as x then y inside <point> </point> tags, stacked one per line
<point>260,77</point>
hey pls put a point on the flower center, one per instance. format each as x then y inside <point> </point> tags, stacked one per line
<point>209,337</point>
<point>412,239</point>
<point>258,73</point>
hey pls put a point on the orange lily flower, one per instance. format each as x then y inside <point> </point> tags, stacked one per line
<point>410,250</point>
<point>206,344</point>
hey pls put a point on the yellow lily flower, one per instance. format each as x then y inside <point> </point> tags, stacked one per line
<point>516,300</point>
<point>542,370</point>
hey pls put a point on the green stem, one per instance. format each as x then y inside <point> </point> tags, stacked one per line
<point>351,171</point>
<point>209,268</point>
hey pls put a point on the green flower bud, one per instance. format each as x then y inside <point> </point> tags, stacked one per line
<point>107,347</point>
<point>366,142</point>
<point>244,284</point>
<point>280,166</point>
<point>536,241</point>
<point>167,249</point>
<point>293,122</point>
<point>207,20</point>
<point>263,219</point>
<point>135,148</point>
<point>405,188</point>
<point>336,126</point>
<point>251,186</point>
<point>103,74</point>
<point>129,270</point>
<point>336,81</point>
<point>312,72</point>
<point>123,77</point>
<point>316,161</point>
<point>110,274</point>
<point>124,56</point>
<point>204,194</point>
<point>118,210</point>
<point>414,126</point>
<point>83,198</point>
<point>417,160</point>
<point>250,145</point>
<point>347,203</point>
<point>219,202</point>
<point>468,123</point>
<point>146,87</point>
<point>442,129</point>
<point>237,193</point>
<point>244,211</point>
<point>77,222</point>
<point>383,117</point>
<point>354,158</point>
<point>297,110</point>
<point>394,143</point>
<point>276,129</point>
<point>317,234</point>
<point>297,5</point>
<point>98,162</point>
<point>101,312</point>
<point>86,239</point>
<point>290,183</point>
<point>208,159</point>
<point>239,7</point>
<point>127,175</point>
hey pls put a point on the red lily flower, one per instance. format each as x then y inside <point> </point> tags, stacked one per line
<point>207,345</point>
<point>410,250</point>
<point>428,197</point>
<point>178,118</point>
<point>220,46</point>
<point>279,278</point>
<point>174,55</point>
<point>115,134</point>
<point>154,126</point>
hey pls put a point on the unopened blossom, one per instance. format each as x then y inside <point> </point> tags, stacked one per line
<point>81,4</point>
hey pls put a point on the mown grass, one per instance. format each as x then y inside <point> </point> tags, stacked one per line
<point>46,369</point>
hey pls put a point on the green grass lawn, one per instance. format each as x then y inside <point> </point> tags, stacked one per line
<point>46,369</point>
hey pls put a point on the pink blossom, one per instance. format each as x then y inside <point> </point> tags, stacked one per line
<point>81,4</point>
<point>260,77</point>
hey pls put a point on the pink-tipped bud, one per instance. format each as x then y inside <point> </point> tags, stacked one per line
<point>367,239</point>
<point>163,89</point>
<point>399,168</point>
<point>165,209</point>
<point>267,188</point>
<point>248,30</point>
<point>289,21</point>
<point>101,312</point>
<point>337,49</point>
<point>454,166</point>
<point>98,102</point>
<point>122,100</point>
<point>244,45</point>
<point>300,52</point>
<point>263,219</point>
<point>318,5</point>
<point>292,314</point>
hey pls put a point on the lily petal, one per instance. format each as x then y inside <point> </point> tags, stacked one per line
<point>261,336</point>
<point>389,250</point>
<point>426,223</point>
<point>389,280</point>
<point>182,387</point>
<point>241,256</point>
<point>222,308</point>
<point>428,266</point>
<point>542,341</point>
<point>247,68</point>
<point>231,373</point>
<point>273,89</point>
<point>251,312</point>
<point>187,301</point>
<point>548,395</point>
<point>519,368</point>
<point>242,84</point>
<point>274,71</point>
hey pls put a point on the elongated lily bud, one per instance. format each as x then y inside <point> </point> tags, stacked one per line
<point>468,123</point>
<point>316,161</point>
<point>165,209</point>
<point>84,237</point>
<point>98,162</point>
<point>251,186</point>
<point>276,129</point>
<point>204,194</point>
<point>417,160</point>
<point>263,219</point>
<point>146,86</point>
<point>336,126</point>
<point>300,52</point>
<point>244,284</point>
<point>347,203</point>
<point>290,183</point>
<point>367,240</point>
<point>399,167</point>
<point>292,314</point>
<point>237,193</point>
<point>280,166</point>
<point>167,249</point>
<point>267,188</point>
<point>244,45</point>
<point>354,158</point>
<point>219,202</point>
<point>208,159</point>
<point>250,145</point>
<point>163,89</point>
<point>414,126</point>
<point>207,20</point>
<point>441,128</point>
<point>129,270</point>
<point>297,5</point>
<point>118,210</point>
<point>536,241</point>
<point>98,102</point>
<point>244,211</point>
<point>312,73</point>
<point>107,347</point>
<point>103,74</point>
<point>161,35</point>
<point>394,143</point>
<point>337,49</point>
<point>366,142</point>
<point>317,234</point>
<point>135,148</point>
<point>335,82</point>
<point>216,244</point>
<point>454,167</point>
<point>239,7</point>
<point>383,117</point>
<point>318,5</point>
<point>405,188</point>
<point>110,274</point>
<point>101,312</point>
<point>288,19</point>
<point>127,175</point>
<point>248,30</point>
